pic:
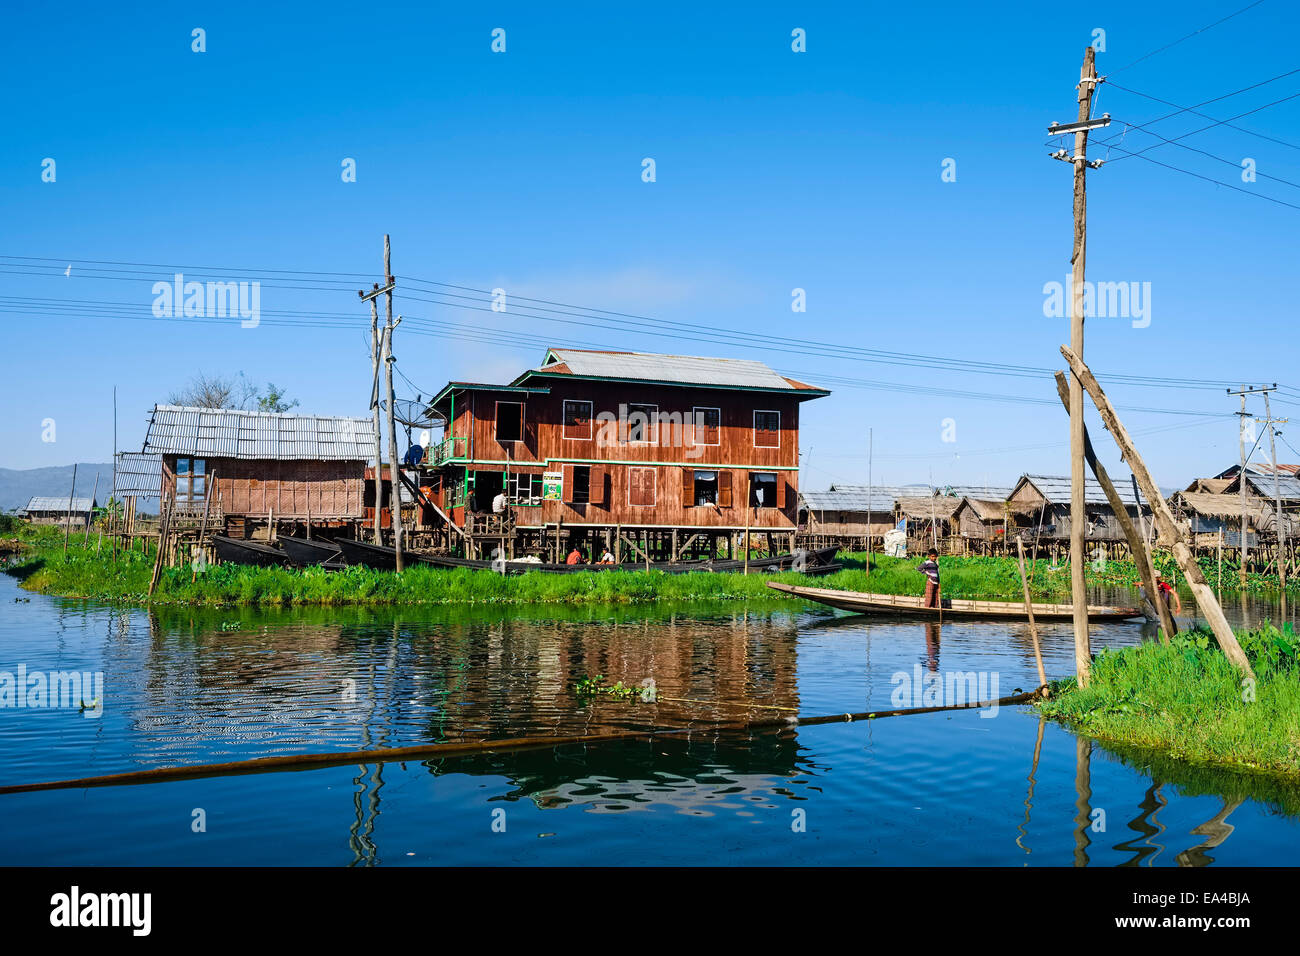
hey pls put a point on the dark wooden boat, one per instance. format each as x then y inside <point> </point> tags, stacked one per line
<point>907,604</point>
<point>238,551</point>
<point>369,555</point>
<point>384,558</point>
<point>305,553</point>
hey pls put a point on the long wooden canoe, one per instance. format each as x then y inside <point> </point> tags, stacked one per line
<point>864,602</point>
<point>305,553</point>
<point>239,551</point>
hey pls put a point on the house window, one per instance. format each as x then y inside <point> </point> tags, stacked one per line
<point>704,488</point>
<point>523,488</point>
<point>580,489</point>
<point>767,429</point>
<point>643,424</point>
<point>191,479</point>
<point>577,420</point>
<point>762,490</point>
<point>641,486</point>
<point>510,421</point>
<point>707,424</point>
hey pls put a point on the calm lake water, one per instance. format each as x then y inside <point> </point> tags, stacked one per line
<point>188,687</point>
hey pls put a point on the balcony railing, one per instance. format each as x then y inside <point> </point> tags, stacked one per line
<point>446,450</point>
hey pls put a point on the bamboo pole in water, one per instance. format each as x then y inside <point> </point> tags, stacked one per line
<point>1029,610</point>
<point>506,745</point>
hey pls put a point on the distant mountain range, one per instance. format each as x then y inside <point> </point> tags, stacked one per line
<point>17,487</point>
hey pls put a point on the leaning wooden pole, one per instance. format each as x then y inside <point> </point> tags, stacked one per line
<point>1136,542</point>
<point>210,481</point>
<point>90,512</point>
<point>67,524</point>
<point>1029,611</point>
<point>1164,518</point>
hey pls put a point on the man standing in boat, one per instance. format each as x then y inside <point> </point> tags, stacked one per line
<point>930,568</point>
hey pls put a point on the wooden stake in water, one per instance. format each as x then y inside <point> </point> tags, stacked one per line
<point>1029,611</point>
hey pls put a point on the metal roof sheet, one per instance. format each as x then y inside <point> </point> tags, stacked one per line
<point>1287,485</point>
<point>982,492</point>
<point>59,503</point>
<point>233,433</point>
<point>687,369</point>
<point>1056,489</point>
<point>859,498</point>
<point>138,475</point>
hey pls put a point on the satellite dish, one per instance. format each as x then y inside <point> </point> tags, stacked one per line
<point>416,414</point>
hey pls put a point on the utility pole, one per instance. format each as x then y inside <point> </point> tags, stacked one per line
<point>376,356</point>
<point>871,449</point>
<point>1277,492</point>
<point>1241,476</point>
<point>394,455</point>
<point>1087,87</point>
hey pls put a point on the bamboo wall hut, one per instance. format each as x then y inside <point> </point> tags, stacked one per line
<point>847,515</point>
<point>1214,519</point>
<point>265,469</point>
<point>927,519</point>
<point>60,510</point>
<point>1049,495</point>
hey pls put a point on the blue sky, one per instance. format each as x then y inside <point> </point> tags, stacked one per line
<point>775,170</point>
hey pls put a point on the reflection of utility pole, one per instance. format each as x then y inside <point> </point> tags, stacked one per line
<point>1241,446</point>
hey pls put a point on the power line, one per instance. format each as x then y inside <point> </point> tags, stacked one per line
<point>1214,124</point>
<point>505,338</point>
<point>1188,172</point>
<point>1147,56</point>
<point>1195,112</point>
<point>1233,163</point>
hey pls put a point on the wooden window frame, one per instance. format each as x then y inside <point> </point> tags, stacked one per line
<point>654,423</point>
<point>571,484</point>
<point>496,423</point>
<point>654,471</point>
<point>564,417</point>
<point>695,424</point>
<point>776,490</point>
<point>767,411</point>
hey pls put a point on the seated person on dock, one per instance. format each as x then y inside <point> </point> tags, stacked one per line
<point>930,568</point>
<point>606,557</point>
<point>575,556</point>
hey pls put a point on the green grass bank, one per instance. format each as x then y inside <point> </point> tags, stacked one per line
<point>1186,701</point>
<point>90,572</point>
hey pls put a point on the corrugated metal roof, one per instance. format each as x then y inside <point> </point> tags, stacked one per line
<point>1287,485</point>
<point>687,369</point>
<point>138,475</point>
<point>859,498</point>
<point>982,492</point>
<point>59,503</point>
<point>1056,489</point>
<point>232,433</point>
